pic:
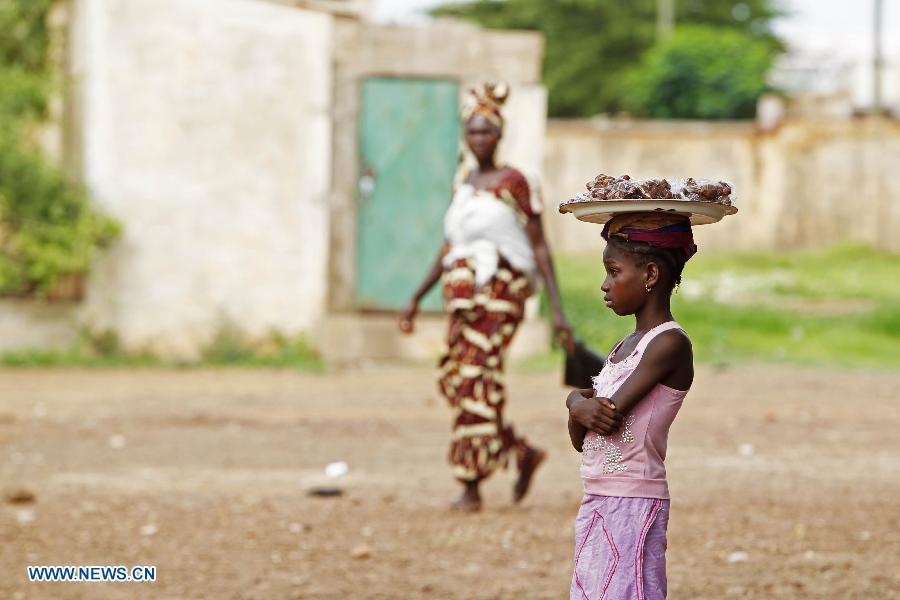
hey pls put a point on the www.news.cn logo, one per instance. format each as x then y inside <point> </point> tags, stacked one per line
<point>91,573</point>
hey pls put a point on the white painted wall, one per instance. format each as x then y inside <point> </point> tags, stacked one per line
<point>206,131</point>
<point>525,128</point>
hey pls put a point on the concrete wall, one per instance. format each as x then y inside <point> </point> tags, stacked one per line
<point>204,126</point>
<point>807,183</point>
<point>27,324</point>
<point>839,183</point>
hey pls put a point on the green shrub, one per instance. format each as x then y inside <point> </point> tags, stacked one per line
<point>25,36</point>
<point>591,44</point>
<point>48,229</point>
<point>23,95</point>
<point>700,73</point>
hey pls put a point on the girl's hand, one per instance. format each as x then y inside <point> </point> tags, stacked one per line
<point>408,316</point>
<point>594,413</point>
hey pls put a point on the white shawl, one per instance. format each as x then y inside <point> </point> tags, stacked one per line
<point>481,227</point>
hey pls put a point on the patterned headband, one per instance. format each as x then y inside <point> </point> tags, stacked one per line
<point>487,102</point>
<point>657,229</point>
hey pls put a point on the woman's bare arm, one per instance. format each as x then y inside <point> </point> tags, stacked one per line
<point>544,261</point>
<point>433,275</point>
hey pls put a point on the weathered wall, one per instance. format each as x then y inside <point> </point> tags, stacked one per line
<point>204,126</point>
<point>808,183</point>
<point>839,183</point>
<point>576,151</point>
<point>32,324</point>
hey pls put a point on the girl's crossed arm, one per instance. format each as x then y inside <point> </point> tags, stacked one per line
<point>668,360</point>
<point>588,412</point>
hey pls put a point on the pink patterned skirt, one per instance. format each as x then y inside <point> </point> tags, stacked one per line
<point>620,549</point>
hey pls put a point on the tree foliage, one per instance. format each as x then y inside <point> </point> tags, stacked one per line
<point>592,44</point>
<point>48,228</point>
<point>700,73</point>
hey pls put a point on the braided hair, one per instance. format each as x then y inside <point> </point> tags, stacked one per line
<point>671,261</point>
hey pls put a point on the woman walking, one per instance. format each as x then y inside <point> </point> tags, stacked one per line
<point>493,254</point>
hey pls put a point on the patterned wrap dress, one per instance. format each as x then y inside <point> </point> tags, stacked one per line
<point>488,274</point>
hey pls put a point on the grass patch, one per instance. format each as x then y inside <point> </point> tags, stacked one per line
<point>227,349</point>
<point>91,350</point>
<point>75,356</point>
<point>832,307</point>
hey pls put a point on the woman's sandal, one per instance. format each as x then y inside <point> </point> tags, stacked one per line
<point>465,505</point>
<point>533,459</point>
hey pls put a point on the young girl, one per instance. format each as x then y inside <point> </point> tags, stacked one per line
<point>621,425</point>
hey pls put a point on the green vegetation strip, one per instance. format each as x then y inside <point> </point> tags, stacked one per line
<point>835,307</point>
<point>227,349</point>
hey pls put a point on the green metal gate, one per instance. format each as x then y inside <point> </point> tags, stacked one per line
<point>409,136</point>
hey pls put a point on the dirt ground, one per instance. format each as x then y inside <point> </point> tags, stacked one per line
<point>205,474</point>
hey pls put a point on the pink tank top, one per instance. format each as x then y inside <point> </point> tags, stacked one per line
<point>629,462</point>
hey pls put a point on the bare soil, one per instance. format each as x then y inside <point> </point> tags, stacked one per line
<point>205,474</point>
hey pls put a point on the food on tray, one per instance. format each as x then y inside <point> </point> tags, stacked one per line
<point>606,187</point>
<point>706,191</point>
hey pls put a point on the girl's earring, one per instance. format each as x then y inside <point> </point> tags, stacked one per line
<point>647,287</point>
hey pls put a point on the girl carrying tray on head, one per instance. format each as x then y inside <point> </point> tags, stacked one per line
<point>621,425</point>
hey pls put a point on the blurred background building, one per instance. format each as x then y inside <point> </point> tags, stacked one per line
<point>282,166</point>
<point>276,167</point>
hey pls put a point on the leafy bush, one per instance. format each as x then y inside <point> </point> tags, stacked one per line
<point>25,36</point>
<point>700,73</point>
<point>591,44</point>
<point>23,95</point>
<point>48,229</point>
